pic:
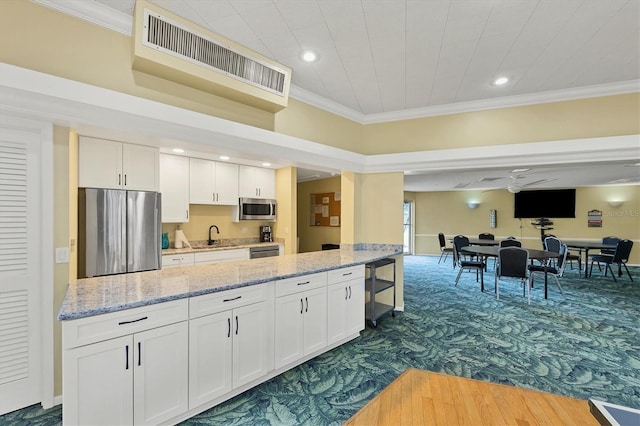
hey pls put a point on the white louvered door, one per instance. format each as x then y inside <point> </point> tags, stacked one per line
<point>20,269</point>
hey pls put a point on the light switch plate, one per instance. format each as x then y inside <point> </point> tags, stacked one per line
<point>62,254</point>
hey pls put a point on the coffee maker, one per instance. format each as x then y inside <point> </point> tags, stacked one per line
<point>265,234</point>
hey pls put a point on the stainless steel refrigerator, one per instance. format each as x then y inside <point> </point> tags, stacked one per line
<point>118,231</point>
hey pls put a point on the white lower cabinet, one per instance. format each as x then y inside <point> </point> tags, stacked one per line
<point>300,319</point>
<point>346,303</point>
<point>231,348</point>
<point>134,379</point>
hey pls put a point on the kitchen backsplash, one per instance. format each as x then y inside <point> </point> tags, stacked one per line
<point>201,217</point>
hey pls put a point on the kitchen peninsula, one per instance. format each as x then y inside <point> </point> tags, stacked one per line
<point>161,346</point>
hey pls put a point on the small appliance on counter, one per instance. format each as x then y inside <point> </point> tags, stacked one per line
<point>265,234</point>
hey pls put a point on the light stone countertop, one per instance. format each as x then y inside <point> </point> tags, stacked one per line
<point>99,295</point>
<point>201,246</point>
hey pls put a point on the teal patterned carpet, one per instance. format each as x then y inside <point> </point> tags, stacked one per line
<point>583,344</point>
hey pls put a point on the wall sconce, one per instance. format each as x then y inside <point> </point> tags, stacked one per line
<point>615,203</point>
<point>472,204</point>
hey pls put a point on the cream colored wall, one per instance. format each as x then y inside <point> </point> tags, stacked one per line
<point>448,213</point>
<point>312,237</point>
<point>58,44</point>
<point>311,123</point>
<point>585,118</point>
<point>201,217</point>
<point>286,227</point>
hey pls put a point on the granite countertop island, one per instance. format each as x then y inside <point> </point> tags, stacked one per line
<point>93,296</point>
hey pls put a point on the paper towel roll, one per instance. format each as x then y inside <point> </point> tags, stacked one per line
<point>180,240</point>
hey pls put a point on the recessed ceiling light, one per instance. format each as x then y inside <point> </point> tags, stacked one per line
<point>224,157</point>
<point>500,81</point>
<point>178,150</point>
<point>266,164</point>
<point>309,56</point>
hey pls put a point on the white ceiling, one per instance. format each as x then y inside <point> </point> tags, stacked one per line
<point>390,59</point>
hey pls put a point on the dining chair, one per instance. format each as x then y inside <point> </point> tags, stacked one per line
<point>512,263</point>
<point>555,271</point>
<point>620,257</point>
<point>486,236</point>
<point>610,240</point>
<point>551,243</point>
<point>459,242</point>
<point>510,243</point>
<point>444,251</point>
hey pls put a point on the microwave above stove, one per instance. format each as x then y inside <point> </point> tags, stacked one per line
<point>257,209</point>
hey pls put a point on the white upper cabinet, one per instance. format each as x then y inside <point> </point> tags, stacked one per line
<point>174,186</point>
<point>212,182</point>
<point>257,182</point>
<point>116,165</point>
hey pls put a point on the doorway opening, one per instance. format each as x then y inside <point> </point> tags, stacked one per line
<point>408,227</point>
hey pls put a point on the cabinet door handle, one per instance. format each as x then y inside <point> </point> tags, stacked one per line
<point>136,320</point>
<point>231,300</point>
<point>349,292</point>
<point>229,327</point>
<point>187,213</point>
<point>139,353</point>
<point>304,283</point>
<point>119,179</point>
<point>237,325</point>
<point>126,356</point>
<point>301,306</point>
<point>307,308</point>
<point>346,293</point>
<point>125,180</point>
<point>213,196</point>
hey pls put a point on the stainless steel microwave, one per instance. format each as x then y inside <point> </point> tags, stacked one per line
<point>257,209</point>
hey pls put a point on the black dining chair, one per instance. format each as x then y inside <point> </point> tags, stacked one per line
<point>510,243</point>
<point>486,236</point>
<point>610,240</point>
<point>512,263</point>
<point>459,242</point>
<point>620,257</point>
<point>555,271</point>
<point>444,251</point>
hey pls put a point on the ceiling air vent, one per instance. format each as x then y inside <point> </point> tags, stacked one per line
<point>175,49</point>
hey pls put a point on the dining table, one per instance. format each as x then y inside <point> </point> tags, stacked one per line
<point>534,254</point>
<point>586,246</point>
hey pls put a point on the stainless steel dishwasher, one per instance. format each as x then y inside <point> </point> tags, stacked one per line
<point>263,251</point>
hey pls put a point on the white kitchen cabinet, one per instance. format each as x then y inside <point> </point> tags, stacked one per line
<point>300,318</point>
<point>257,182</point>
<point>128,367</point>
<point>219,256</point>
<point>346,303</point>
<point>231,348</point>
<point>174,186</point>
<point>116,165</point>
<point>175,260</point>
<point>212,182</point>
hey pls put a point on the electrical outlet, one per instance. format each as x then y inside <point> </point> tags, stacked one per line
<point>62,254</point>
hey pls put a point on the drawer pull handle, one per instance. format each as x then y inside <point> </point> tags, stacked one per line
<point>348,273</point>
<point>126,355</point>
<point>231,300</point>
<point>132,321</point>
<point>304,283</point>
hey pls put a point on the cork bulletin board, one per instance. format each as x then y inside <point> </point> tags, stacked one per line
<point>325,209</point>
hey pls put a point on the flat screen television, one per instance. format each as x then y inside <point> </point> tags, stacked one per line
<point>551,203</point>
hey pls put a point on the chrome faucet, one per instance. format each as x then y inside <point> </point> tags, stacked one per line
<point>212,242</point>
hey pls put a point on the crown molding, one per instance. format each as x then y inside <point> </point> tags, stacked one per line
<point>112,19</point>
<point>93,12</point>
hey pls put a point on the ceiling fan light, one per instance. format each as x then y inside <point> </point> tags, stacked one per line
<point>513,188</point>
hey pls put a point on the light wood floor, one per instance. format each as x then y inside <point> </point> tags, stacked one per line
<point>419,397</point>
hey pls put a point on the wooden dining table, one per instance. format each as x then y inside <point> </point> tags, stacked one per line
<point>419,397</point>
<point>534,254</point>
<point>586,246</point>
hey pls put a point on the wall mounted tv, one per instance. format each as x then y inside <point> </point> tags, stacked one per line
<point>551,203</point>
